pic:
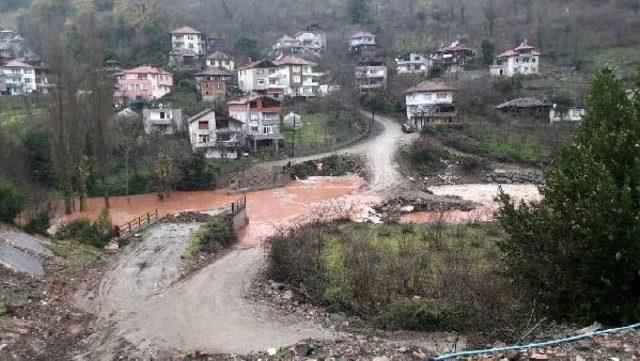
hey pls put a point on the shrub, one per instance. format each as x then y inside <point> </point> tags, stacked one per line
<point>214,236</point>
<point>577,250</point>
<point>40,224</point>
<point>11,201</point>
<point>425,157</point>
<point>96,234</point>
<point>424,315</point>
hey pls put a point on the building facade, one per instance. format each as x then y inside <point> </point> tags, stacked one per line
<point>212,83</point>
<point>361,39</point>
<point>523,60</point>
<point>453,58</point>
<point>313,38</point>
<point>371,74</point>
<point>257,76</point>
<point>216,136</point>
<point>430,102</point>
<point>221,60</point>
<point>187,48</point>
<point>19,78</point>
<point>163,121</point>
<point>261,117</point>
<point>413,63</point>
<point>297,77</point>
<point>143,83</point>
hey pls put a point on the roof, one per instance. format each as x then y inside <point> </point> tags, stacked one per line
<point>429,86</point>
<point>218,55</point>
<point>455,46</point>
<point>361,34</point>
<point>213,71</point>
<point>200,115</point>
<point>243,101</point>
<point>292,60</point>
<point>527,102</point>
<point>259,64</point>
<point>16,64</point>
<point>314,27</point>
<point>507,54</point>
<point>145,69</point>
<point>524,46</point>
<point>286,38</point>
<point>186,30</point>
<point>515,52</point>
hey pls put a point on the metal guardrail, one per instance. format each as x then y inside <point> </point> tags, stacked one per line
<point>239,205</point>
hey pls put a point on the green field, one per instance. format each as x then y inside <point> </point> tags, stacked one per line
<point>319,130</point>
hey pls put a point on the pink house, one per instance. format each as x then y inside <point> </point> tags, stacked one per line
<point>143,83</point>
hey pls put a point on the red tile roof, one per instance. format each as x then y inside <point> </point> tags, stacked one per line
<point>429,86</point>
<point>145,69</point>
<point>259,64</point>
<point>292,60</point>
<point>17,64</point>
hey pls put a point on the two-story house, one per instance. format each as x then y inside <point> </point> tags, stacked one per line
<point>261,116</point>
<point>360,40</point>
<point>162,120</point>
<point>371,73</point>
<point>523,60</point>
<point>187,47</point>
<point>453,58</point>
<point>430,102</point>
<point>297,76</point>
<point>219,59</point>
<point>313,38</point>
<point>212,83</point>
<point>217,136</point>
<point>19,77</point>
<point>255,76</point>
<point>143,83</point>
<point>413,63</point>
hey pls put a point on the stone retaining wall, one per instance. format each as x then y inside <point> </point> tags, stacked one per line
<point>513,177</point>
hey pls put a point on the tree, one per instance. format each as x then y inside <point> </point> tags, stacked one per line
<point>128,131</point>
<point>11,201</point>
<point>359,12</point>
<point>488,51</point>
<point>578,250</point>
<point>166,174</point>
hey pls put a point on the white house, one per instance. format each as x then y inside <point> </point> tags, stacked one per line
<point>313,38</point>
<point>288,45</point>
<point>188,38</point>
<point>430,102</point>
<point>217,137</point>
<point>413,63</point>
<point>524,60</point>
<point>261,115</point>
<point>296,77</point>
<point>371,74</point>
<point>564,114</point>
<point>221,60</point>
<point>164,121</point>
<point>255,76</point>
<point>19,77</point>
<point>360,39</point>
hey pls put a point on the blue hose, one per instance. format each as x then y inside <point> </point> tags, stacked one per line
<point>461,354</point>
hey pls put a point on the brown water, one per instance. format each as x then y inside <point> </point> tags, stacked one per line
<point>484,194</point>
<point>267,210</point>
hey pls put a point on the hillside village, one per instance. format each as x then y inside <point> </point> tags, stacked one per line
<point>319,180</point>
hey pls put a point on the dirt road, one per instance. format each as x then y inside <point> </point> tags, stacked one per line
<point>146,306</point>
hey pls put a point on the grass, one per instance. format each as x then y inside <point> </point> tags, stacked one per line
<point>214,236</point>
<point>400,276</point>
<point>319,130</point>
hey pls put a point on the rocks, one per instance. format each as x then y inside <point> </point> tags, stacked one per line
<point>409,200</point>
<point>302,349</point>
<point>501,176</point>
<point>538,356</point>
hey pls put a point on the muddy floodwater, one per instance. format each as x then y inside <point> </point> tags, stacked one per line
<point>483,194</point>
<point>267,210</point>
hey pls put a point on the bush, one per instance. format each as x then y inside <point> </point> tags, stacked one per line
<point>11,201</point>
<point>577,250</point>
<point>425,157</point>
<point>40,224</point>
<point>197,175</point>
<point>426,315</point>
<point>96,234</point>
<point>214,236</point>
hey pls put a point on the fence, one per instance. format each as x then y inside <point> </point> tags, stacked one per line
<point>239,215</point>
<point>239,205</point>
<point>137,223</point>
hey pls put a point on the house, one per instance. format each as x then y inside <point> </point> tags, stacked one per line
<point>361,40</point>
<point>143,83</point>
<point>313,38</point>
<point>261,116</point>
<point>187,47</point>
<point>221,60</point>
<point>523,60</point>
<point>413,63</point>
<point>430,102</point>
<point>212,83</point>
<point>566,114</point>
<point>43,84</point>
<point>297,76</point>
<point>527,108</point>
<point>257,76</point>
<point>19,77</point>
<point>453,58</point>
<point>288,45</point>
<point>162,120</point>
<point>216,136</point>
<point>371,73</point>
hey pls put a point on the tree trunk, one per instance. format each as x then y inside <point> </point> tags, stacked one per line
<point>126,174</point>
<point>107,201</point>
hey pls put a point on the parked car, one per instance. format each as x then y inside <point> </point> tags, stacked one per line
<point>408,128</point>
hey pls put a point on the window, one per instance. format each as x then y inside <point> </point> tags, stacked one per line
<point>296,69</point>
<point>442,96</point>
<point>203,125</point>
<point>267,129</point>
<point>254,129</point>
<point>162,115</point>
<point>296,78</point>
<point>204,138</point>
<point>533,60</point>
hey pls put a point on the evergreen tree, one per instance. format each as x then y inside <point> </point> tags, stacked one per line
<point>578,250</point>
<point>359,12</point>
